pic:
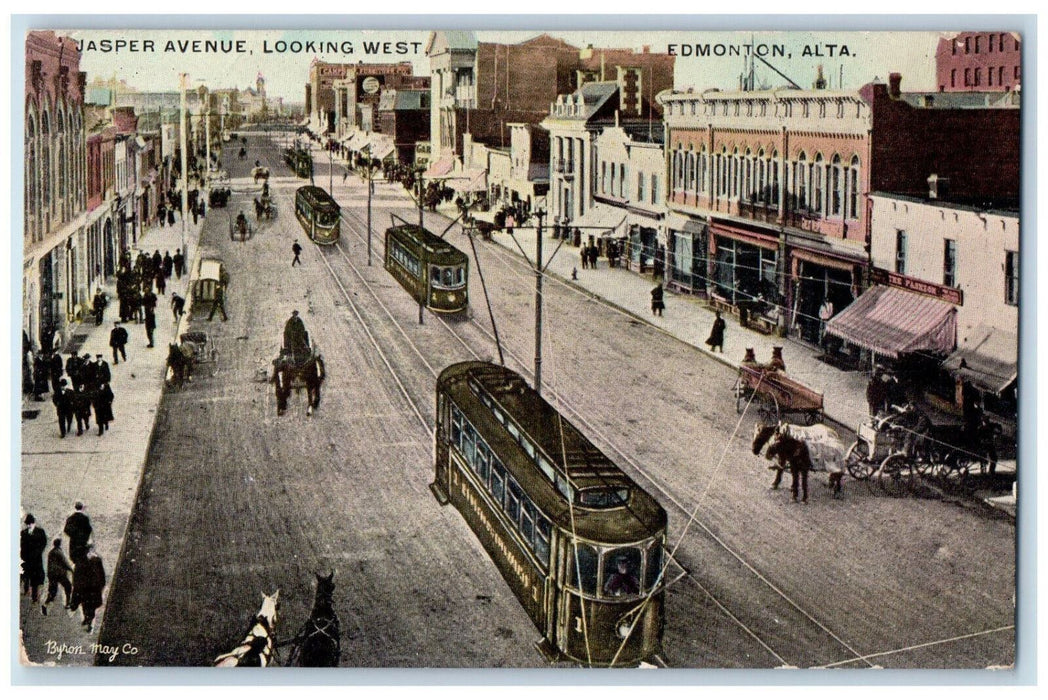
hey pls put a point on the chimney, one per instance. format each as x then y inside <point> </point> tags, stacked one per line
<point>894,81</point>
<point>938,186</point>
<point>820,81</point>
<point>645,49</point>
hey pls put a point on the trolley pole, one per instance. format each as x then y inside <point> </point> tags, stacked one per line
<point>331,182</point>
<point>369,202</point>
<point>538,302</point>
<point>182,126</point>
<point>421,190</point>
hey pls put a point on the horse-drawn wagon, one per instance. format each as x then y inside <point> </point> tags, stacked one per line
<point>195,348</point>
<point>775,394</point>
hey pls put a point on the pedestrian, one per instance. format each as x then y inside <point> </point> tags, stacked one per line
<point>344,176</point>
<point>574,274</point>
<point>150,326</point>
<point>41,374</point>
<point>169,264</point>
<point>63,401</point>
<point>876,393</point>
<point>657,304</point>
<point>196,214</point>
<point>32,543</point>
<point>716,339</point>
<point>58,570</point>
<point>99,306</point>
<point>102,373</point>
<point>54,363</point>
<point>219,303</point>
<point>82,409</point>
<point>89,579</point>
<point>171,217</point>
<point>203,208</point>
<point>161,214</point>
<point>118,341</point>
<point>88,372</point>
<point>78,530</point>
<point>158,261</point>
<point>297,250</point>
<point>584,256</point>
<point>72,368</point>
<point>103,403</point>
<point>178,261</point>
<point>178,306</point>
<point>161,281</point>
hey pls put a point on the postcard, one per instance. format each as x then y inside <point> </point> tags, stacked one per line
<point>432,348</point>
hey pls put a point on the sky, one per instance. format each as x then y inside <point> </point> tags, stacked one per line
<point>858,57</point>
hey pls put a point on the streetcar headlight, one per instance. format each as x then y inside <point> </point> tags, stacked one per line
<point>451,297</point>
<point>624,629</point>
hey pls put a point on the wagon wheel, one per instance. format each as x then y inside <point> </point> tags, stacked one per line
<point>896,474</point>
<point>742,396</point>
<point>858,460</point>
<point>768,408</point>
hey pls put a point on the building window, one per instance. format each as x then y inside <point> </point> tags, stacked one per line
<point>1000,76</point>
<point>967,77</point>
<point>853,189</point>
<point>900,252</point>
<point>816,185</point>
<point>978,77</point>
<point>622,181</point>
<point>967,44</point>
<point>949,263</point>
<point>640,187</point>
<point>953,78</point>
<point>1016,72</point>
<point>836,187</point>
<point>977,43</point>
<point>654,189</point>
<point>1011,277</point>
<point>989,76</point>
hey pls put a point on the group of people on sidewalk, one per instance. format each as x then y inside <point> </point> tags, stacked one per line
<point>82,580</point>
<point>87,388</point>
<point>134,286</point>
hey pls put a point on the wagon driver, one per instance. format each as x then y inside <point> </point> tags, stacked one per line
<point>296,339</point>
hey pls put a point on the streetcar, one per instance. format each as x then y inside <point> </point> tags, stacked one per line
<point>580,544</point>
<point>318,214</point>
<point>433,271</point>
<point>300,161</point>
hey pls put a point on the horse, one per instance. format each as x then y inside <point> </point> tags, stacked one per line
<point>787,452</point>
<point>826,450</point>
<point>256,649</point>
<point>260,173</point>
<point>258,210</point>
<point>288,375</point>
<point>319,643</point>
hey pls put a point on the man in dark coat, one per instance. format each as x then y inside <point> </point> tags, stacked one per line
<point>161,281</point>
<point>169,264</point>
<point>178,306</point>
<point>41,373</point>
<point>150,326</point>
<point>55,368</point>
<point>82,409</point>
<point>158,261</point>
<point>58,570</point>
<point>297,250</point>
<point>63,400</point>
<point>657,304</point>
<point>219,303</point>
<point>716,339</point>
<point>179,263</point>
<point>72,368</point>
<point>89,579</point>
<point>118,341</point>
<point>876,393</point>
<point>103,403</point>
<point>296,339</point>
<point>33,542</point>
<point>78,530</point>
<point>98,305</point>
<point>102,373</point>
<point>88,373</point>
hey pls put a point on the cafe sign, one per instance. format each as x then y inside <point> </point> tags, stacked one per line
<point>893,279</point>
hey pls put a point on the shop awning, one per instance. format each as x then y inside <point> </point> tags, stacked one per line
<point>600,216</point>
<point>470,180</point>
<point>439,168</point>
<point>357,141</point>
<point>680,222</point>
<point>381,147</point>
<point>987,358</point>
<point>892,321</point>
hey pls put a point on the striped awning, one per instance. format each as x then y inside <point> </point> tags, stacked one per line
<point>987,357</point>
<point>440,168</point>
<point>892,321</point>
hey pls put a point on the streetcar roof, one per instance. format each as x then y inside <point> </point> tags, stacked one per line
<point>317,196</point>
<point>425,239</point>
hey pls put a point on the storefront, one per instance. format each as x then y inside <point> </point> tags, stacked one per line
<point>744,265</point>
<point>821,286</point>
<point>984,370</point>
<point>687,263</point>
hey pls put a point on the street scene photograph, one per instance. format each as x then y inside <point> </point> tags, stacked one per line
<point>490,349</point>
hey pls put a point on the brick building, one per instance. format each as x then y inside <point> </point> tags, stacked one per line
<point>55,191</point>
<point>481,88</point>
<point>768,188</point>
<point>979,62</point>
<point>403,115</point>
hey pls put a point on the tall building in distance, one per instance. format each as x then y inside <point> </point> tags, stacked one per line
<point>979,62</point>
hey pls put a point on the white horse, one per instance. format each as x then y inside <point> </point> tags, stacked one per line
<point>256,649</point>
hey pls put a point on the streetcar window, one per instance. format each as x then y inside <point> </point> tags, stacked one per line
<point>481,463</point>
<point>448,277</point>
<point>621,572</point>
<point>512,428</point>
<point>547,468</point>
<point>434,274</point>
<point>498,478</point>
<point>460,275</point>
<point>528,446</point>
<point>582,568</point>
<point>498,415</point>
<point>603,497</point>
<point>469,438</point>
<point>542,535</point>
<point>564,487</point>
<point>654,564</point>
<point>527,521</point>
<point>456,426</point>
<point>513,497</point>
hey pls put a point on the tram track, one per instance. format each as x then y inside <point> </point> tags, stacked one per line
<point>347,218</point>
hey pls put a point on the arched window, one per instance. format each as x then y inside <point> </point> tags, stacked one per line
<point>704,167</point>
<point>853,188</point>
<point>762,177</point>
<point>746,193</point>
<point>836,186</point>
<point>801,181</point>
<point>816,184</point>
<point>678,168</point>
<point>45,160</point>
<point>689,171</point>
<point>773,175</point>
<point>32,185</point>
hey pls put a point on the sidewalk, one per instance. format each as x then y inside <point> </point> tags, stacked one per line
<point>101,471</point>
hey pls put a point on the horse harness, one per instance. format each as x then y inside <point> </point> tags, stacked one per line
<point>260,632</point>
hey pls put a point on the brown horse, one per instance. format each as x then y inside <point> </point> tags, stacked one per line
<point>787,453</point>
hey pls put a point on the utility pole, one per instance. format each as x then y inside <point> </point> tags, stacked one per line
<point>370,186</point>
<point>538,302</point>
<point>182,125</point>
<point>331,182</point>
<point>207,143</point>
<point>421,190</point>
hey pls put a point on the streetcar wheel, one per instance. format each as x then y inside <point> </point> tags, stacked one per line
<point>858,460</point>
<point>896,475</point>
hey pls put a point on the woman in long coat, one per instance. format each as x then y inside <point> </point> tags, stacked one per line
<point>716,339</point>
<point>89,578</point>
<point>33,542</point>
